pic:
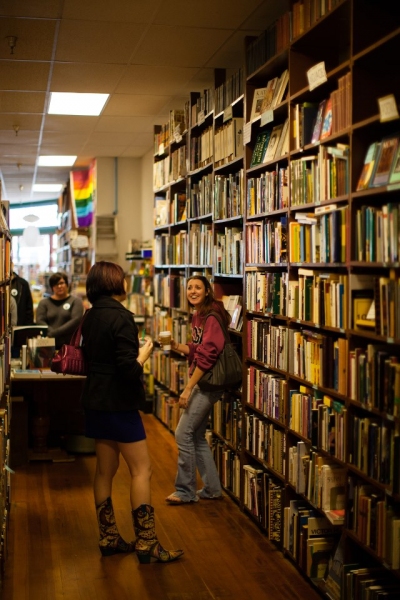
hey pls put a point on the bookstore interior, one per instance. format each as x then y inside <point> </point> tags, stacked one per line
<point>281,184</point>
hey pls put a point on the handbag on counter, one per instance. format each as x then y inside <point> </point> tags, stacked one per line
<point>70,359</point>
<point>226,374</point>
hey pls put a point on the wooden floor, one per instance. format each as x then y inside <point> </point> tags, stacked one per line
<point>53,551</point>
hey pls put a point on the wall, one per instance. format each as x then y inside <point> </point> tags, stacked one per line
<point>131,199</point>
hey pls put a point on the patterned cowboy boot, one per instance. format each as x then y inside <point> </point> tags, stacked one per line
<point>147,545</point>
<point>110,540</point>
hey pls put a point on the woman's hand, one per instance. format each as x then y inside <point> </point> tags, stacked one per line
<point>184,397</point>
<point>145,351</point>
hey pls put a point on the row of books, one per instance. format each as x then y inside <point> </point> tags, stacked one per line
<point>228,142</point>
<point>201,246</point>
<point>140,304</point>
<point>371,447</point>
<point>319,237</point>
<point>271,41</point>
<point>166,408</point>
<point>169,292</point>
<point>265,441</point>
<point>229,91</point>
<point>268,192</point>
<point>226,419</point>
<point>200,201</point>
<point>316,178</point>
<point>228,251</point>
<point>169,169</point>
<point>374,378</point>
<point>314,122</point>
<point>268,343</point>
<point>305,13</point>
<point>266,241</point>
<point>178,123</point>
<point>179,375</point>
<point>228,195</point>
<point>263,498</point>
<point>374,520</point>
<point>377,233</point>
<point>266,292</point>
<point>203,106</point>
<point>201,149</point>
<point>228,465</point>
<point>271,144</point>
<point>381,164</point>
<point>171,249</point>
<point>266,392</point>
<point>267,98</point>
<point>234,305</point>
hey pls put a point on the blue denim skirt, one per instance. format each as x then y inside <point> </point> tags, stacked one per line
<point>122,426</point>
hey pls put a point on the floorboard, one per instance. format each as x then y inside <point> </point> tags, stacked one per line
<point>53,553</point>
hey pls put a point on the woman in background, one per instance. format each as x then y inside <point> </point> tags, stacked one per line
<point>62,312</point>
<point>207,343</point>
<point>112,397</point>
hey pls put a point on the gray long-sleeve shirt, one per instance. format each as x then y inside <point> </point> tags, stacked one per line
<point>61,316</point>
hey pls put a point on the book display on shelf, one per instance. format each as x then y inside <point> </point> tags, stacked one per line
<point>303,227</point>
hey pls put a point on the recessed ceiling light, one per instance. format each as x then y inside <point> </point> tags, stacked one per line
<point>56,161</point>
<point>62,103</point>
<point>47,187</point>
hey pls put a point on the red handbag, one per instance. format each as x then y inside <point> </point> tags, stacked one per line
<point>70,359</point>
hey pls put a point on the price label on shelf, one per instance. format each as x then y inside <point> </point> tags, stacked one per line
<point>316,75</point>
<point>267,117</point>
<point>247,133</point>
<point>388,108</point>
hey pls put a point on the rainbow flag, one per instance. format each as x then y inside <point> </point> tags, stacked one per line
<point>82,186</point>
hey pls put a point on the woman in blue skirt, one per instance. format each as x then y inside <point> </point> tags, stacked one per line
<point>112,397</point>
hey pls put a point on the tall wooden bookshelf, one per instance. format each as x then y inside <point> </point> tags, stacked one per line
<point>5,400</point>
<point>310,447</point>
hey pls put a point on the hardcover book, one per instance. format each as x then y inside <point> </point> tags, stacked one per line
<point>258,99</point>
<point>273,143</point>
<point>318,122</point>
<point>260,148</point>
<point>326,128</point>
<point>384,161</point>
<point>368,167</point>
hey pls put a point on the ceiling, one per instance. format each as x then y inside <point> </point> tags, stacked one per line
<point>147,54</point>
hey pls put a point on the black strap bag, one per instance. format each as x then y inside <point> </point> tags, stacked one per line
<point>226,374</point>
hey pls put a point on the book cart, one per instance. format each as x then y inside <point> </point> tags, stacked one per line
<point>300,227</point>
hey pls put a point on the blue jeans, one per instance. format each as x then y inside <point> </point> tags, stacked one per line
<point>193,448</point>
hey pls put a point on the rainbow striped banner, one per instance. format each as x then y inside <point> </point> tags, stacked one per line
<point>82,186</point>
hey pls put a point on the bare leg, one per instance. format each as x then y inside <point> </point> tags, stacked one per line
<point>136,456</point>
<point>107,453</point>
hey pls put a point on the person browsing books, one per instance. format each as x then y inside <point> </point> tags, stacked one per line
<point>21,292</point>
<point>62,312</point>
<point>112,396</point>
<point>207,343</point>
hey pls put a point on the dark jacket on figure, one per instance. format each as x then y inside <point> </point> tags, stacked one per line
<point>111,345</point>
<point>21,291</point>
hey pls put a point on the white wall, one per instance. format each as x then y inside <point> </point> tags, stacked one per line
<point>131,199</point>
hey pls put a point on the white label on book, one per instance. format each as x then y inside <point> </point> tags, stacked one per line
<point>228,113</point>
<point>201,117</point>
<point>267,117</point>
<point>177,137</point>
<point>388,108</point>
<point>316,75</point>
<point>161,149</point>
<point>247,133</point>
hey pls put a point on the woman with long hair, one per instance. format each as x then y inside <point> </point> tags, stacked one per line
<point>112,397</point>
<point>207,343</point>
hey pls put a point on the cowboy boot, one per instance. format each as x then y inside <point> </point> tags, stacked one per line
<point>110,540</point>
<point>147,545</point>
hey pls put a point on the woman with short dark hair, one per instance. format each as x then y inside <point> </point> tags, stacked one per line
<point>112,397</point>
<point>61,311</point>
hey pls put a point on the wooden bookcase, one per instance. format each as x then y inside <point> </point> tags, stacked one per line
<point>5,400</point>
<point>310,447</point>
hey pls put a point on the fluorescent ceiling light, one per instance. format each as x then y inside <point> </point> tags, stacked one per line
<point>47,187</point>
<point>62,103</point>
<point>56,161</point>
